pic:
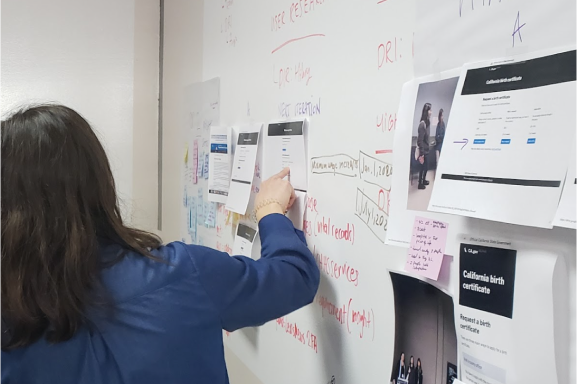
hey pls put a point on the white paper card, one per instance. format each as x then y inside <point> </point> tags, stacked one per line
<point>407,201</point>
<point>243,169</point>
<point>285,147</point>
<point>243,240</point>
<point>506,153</point>
<point>219,159</point>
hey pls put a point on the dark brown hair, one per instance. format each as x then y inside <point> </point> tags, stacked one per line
<point>58,201</point>
<point>425,114</point>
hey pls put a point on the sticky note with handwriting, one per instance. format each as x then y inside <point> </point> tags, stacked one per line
<point>200,165</point>
<point>427,247</point>
<point>195,162</point>
<point>210,213</point>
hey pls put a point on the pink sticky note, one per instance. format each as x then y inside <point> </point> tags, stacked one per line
<point>195,162</point>
<point>427,247</point>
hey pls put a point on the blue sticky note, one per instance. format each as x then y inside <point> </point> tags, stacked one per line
<point>211,215</point>
<point>199,207</point>
<point>200,168</point>
<point>206,166</point>
<point>206,212</point>
<point>192,219</point>
<point>192,213</point>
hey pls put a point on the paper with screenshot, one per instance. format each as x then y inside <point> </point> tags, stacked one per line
<point>243,240</point>
<point>506,154</point>
<point>243,169</point>
<point>219,159</point>
<point>285,147</point>
<point>505,314</point>
<point>409,197</point>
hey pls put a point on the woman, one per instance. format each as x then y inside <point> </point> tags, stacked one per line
<point>87,299</point>
<point>419,372</point>
<point>423,144</point>
<point>440,134</point>
<point>399,371</point>
<point>411,372</point>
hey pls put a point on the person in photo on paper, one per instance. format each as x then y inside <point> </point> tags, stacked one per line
<point>423,145</point>
<point>430,124</point>
<point>424,328</point>
<point>399,371</point>
<point>440,134</point>
<point>411,373</point>
<point>419,371</point>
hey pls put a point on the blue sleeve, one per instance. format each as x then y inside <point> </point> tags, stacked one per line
<point>249,292</point>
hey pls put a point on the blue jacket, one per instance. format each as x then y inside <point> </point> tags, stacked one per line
<point>167,321</point>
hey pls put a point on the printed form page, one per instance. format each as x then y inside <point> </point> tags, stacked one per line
<point>243,170</point>
<point>506,154</point>
<point>219,159</point>
<point>243,240</point>
<point>285,147</point>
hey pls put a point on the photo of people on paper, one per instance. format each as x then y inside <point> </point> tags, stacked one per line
<point>425,337</point>
<point>430,120</point>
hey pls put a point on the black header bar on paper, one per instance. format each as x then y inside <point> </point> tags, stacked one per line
<point>217,192</point>
<point>539,72</point>
<point>286,129</point>
<point>497,180</point>
<point>246,232</point>
<point>241,181</point>
<point>247,138</point>
<point>487,278</point>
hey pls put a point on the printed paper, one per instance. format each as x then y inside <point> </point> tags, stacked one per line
<point>220,164</point>
<point>506,151</point>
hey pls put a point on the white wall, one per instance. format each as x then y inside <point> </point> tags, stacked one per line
<point>145,108</point>
<point>182,66</point>
<point>81,54</point>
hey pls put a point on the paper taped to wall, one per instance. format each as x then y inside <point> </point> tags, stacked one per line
<point>517,118</point>
<point>243,169</point>
<point>220,164</point>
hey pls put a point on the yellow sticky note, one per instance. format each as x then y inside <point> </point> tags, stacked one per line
<point>186,155</point>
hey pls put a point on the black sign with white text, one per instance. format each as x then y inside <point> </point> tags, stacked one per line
<point>487,278</point>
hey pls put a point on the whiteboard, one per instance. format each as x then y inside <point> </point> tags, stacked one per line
<point>341,65</point>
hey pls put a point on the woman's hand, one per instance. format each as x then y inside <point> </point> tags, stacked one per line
<point>276,195</point>
<point>422,159</point>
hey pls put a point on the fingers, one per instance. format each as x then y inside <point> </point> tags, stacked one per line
<point>292,199</point>
<point>282,174</point>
